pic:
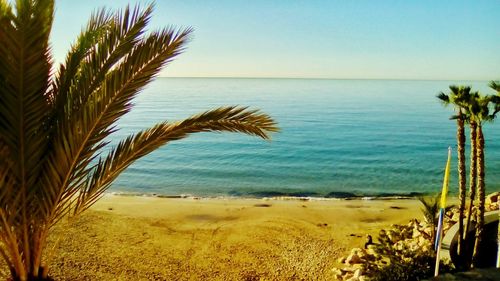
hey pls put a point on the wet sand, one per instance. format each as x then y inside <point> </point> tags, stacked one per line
<point>149,238</point>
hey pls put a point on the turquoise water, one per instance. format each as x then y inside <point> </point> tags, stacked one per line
<point>367,137</point>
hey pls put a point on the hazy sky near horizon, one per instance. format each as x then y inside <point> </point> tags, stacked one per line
<point>455,40</point>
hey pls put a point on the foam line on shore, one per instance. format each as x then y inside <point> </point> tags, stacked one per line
<point>284,197</point>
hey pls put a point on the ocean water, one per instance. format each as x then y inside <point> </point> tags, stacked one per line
<point>338,137</point>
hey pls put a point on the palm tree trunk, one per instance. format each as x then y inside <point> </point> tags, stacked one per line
<point>461,180</point>
<point>27,268</point>
<point>473,175</point>
<point>480,194</point>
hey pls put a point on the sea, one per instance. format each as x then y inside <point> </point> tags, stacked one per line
<point>337,139</point>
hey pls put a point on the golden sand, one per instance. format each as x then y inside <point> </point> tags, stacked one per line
<point>149,238</point>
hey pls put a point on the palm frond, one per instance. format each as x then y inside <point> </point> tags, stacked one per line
<point>495,85</point>
<point>98,26</point>
<point>231,119</point>
<point>7,181</point>
<point>108,86</point>
<point>24,74</point>
<point>444,98</point>
<point>430,207</point>
<point>90,62</point>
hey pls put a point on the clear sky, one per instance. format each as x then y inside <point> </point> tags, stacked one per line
<point>457,40</point>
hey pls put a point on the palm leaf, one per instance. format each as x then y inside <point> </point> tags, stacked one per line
<point>444,98</point>
<point>97,27</point>
<point>85,128</point>
<point>24,76</point>
<point>232,119</point>
<point>495,85</point>
<point>123,32</point>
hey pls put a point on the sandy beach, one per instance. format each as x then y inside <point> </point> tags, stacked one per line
<point>150,238</point>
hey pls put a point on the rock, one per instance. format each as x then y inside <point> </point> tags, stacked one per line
<point>426,248</point>
<point>360,252</point>
<point>411,223</point>
<point>421,241</point>
<point>416,234</point>
<point>449,214</point>
<point>337,273</point>
<point>371,248</point>
<point>357,266</point>
<point>493,207</point>
<point>492,198</point>
<point>353,259</point>
<point>455,217</point>
<point>428,231</point>
<point>357,251</point>
<point>370,257</point>
<point>358,272</point>
<point>341,260</point>
<point>347,270</point>
<point>393,236</point>
<point>347,276</point>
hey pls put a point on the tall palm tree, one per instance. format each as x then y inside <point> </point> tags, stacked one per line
<point>481,111</point>
<point>469,104</point>
<point>457,97</point>
<point>54,123</point>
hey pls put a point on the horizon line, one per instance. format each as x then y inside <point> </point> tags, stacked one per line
<point>324,78</point>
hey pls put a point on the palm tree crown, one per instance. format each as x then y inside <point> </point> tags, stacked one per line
<point>54,121</point>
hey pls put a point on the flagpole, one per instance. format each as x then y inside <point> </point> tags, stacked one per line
<point>444,192</point>
<point>437,246</point>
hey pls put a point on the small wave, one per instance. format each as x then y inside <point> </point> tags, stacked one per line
<point>276,195</point>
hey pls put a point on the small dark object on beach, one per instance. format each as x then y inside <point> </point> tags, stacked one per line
<point>352,234</point>
<point>322,224</point>
<point>304,206</point>
<point>262,205</point>
<point>369,241</point>
<point>372,220</point>
<point>397,207</point>
<point>110,209</point>
<point>170,196</point>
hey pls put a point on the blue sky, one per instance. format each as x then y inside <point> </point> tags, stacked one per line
<point>456,40</point>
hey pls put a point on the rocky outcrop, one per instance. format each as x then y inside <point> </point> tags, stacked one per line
<point>414,236</point>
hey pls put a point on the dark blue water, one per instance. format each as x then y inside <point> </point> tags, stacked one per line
<point>366,137</point>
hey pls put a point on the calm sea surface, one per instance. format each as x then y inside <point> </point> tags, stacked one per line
<point>367,137</point>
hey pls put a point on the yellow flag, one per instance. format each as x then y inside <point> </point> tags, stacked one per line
<point>446,180</point>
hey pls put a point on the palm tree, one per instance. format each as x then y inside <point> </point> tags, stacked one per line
<point>480,109</point>
<point>430,211</point>
<point>457,96</point>
<point>495,85</point>
<point>468,103</point>
<point>54,159</point>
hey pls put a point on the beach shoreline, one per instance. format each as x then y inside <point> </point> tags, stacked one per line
<point>152,238</point>
<point>275,195</point>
